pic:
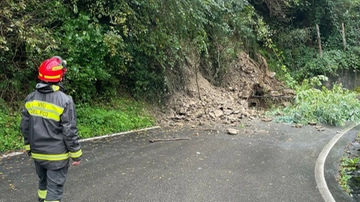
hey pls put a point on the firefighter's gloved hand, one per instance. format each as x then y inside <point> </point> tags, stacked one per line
<point>28,153</point>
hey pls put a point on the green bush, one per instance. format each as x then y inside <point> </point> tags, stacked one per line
<point>330,62</point>
<point>334,107</point>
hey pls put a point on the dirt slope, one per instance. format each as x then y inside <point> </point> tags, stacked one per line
<point>246,89</point>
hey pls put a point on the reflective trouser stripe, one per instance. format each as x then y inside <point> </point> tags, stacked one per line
<point>50,157</point>
<point>42,194</point>
<point>51,201</point>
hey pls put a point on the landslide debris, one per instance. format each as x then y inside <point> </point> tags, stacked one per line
<point>247,88</point>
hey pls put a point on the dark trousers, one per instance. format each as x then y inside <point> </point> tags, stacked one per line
<point>51,182</point>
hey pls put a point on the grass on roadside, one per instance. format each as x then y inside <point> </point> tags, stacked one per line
<point>114,116</point>
<point>93,120</point>
<point>10,136</point>
<point>347,165</point>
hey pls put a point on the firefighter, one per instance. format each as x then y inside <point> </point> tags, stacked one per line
<point>48,125</point>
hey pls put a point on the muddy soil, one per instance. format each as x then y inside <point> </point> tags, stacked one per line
<point>247,88</point>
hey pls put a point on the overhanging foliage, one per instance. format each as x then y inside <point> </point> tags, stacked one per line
<point>113,46</point>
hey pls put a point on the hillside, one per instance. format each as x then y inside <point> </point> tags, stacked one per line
<point>246,89</point>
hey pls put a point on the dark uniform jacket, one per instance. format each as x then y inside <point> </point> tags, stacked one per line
<point>49,128</point>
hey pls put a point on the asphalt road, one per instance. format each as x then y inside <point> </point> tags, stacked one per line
<point>265,162</point>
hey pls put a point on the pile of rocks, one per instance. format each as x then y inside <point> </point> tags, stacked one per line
<point>245,91</point>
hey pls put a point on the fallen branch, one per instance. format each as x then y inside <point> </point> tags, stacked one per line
<point>208,129</point>
<point>173,139</point>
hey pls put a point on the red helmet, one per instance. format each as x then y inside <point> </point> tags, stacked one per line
<point>52,70</point>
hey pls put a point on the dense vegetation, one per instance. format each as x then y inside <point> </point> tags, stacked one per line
<point>136,48</point>
<point>294,31</point>
<point>141,48</point>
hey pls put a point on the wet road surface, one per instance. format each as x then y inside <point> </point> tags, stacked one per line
<point>265,162</point>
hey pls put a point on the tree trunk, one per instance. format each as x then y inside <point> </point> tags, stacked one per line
<point>319,39</point>
<point>343,35</point>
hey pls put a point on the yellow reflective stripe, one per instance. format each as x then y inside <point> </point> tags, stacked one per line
<point>50,157</point>
<point>55,88</point>
<point>44,114</point>
<point>27,147</point>
<point>57,68</point>
<point>44,109</point>
<point>36,104</point>
<point>75,155</point>
<point>52,77</point>
<point>42,194</point>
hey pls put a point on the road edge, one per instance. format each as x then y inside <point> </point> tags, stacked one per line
<point>89,139</point>
<point>320,163</point>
